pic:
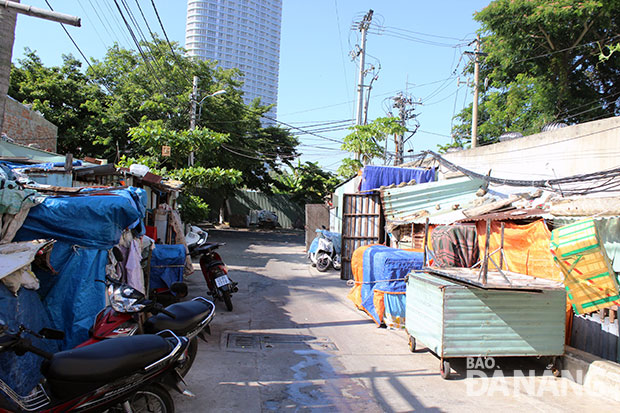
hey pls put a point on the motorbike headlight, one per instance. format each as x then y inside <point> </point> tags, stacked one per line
<point>125,299</point>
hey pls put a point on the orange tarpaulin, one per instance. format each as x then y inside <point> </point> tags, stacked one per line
<point>526,248</point>
<point>357,268</point>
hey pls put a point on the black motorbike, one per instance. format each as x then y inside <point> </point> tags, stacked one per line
<point>121,375</point>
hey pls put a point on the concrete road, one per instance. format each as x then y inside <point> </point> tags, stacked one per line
<point>294,342</point>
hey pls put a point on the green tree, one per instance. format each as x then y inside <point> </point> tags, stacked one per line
<point>364,142</point>
<point>307,183</point>
<point>66,97</point>
<point>542,64</point>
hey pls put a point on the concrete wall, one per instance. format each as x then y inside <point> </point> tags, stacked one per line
<point>588,147</point>
<point>28,127</point>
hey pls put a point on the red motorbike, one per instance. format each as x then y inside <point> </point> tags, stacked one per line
<point>122,375</point>
<point>215,273</point>
<point>125,316</point>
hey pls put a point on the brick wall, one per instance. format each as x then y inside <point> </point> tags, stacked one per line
<point>28,127</point>
<point>7,34</point>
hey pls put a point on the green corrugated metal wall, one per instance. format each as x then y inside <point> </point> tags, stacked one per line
<point>288,212</point>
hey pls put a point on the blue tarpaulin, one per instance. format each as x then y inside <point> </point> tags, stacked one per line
<point>21,373</point>
<point>384,269</point>
<point>167,263</point>
<point>85,227</point>
<point>334,237</point>
<point>374,177</point>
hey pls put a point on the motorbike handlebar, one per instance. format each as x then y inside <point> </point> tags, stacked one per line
<point>158,308</point>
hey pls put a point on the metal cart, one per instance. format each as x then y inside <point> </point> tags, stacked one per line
<point>456,320</point>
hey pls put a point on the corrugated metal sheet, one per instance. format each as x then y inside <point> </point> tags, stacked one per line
<point>54,178</point>
<point>289,213</point>
<point>513,214</point>
<point>434,200</point>
<point>486,322</point>
<point>597,336</point>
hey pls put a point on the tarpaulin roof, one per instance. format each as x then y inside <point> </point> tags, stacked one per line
<point>374,177</point>
<point>86,227</point>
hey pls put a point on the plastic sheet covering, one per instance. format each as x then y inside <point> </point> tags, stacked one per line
<point>455,246</point>
<point>22,372</point>
<point>526,248</point>
<point>86,227</point>
<point>335,238</point>
<point>608,229</point>
<point>384,270</point>
<point>94,221</point>
<point>373,177</point>
<point>167,263</point>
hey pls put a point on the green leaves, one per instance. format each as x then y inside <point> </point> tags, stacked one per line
<point>364,140</point>
<point>543,64</point>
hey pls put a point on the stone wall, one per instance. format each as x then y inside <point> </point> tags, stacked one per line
<point>28,127</point>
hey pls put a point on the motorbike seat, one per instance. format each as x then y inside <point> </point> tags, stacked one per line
<point>71,371</point>
<point>188,315</point>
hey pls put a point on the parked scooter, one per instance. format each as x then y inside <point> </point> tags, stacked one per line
<point>123,375</point>
<point>215,273</point>
<point>123,317</point>
<point>325,250</point>
<point>195,238</point>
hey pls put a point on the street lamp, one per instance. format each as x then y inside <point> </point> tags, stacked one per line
<point>192,122</point>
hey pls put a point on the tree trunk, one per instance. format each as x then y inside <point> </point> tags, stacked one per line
<point>7,35</point>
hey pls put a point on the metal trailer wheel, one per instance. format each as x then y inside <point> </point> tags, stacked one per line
<point>444,369</point>
<point>412,344</point>
<point>323,261</point>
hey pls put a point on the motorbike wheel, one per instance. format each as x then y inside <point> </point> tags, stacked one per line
<point>227,299</point>
<point>323,261</point>
<point>336,263</point>
<point>190,356</point>
<point>151,398</point>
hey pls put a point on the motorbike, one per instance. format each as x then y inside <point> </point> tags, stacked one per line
<point>325,250</point>
<point>215,273</point>
<point>124,316</point>
<point>122,375</point>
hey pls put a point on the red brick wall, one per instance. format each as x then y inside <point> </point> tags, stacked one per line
<point>28,127</point>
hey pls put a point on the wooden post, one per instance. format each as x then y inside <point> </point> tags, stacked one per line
<point>485,264</point>
<point>412,241</point>
<point>425,241</point>
<point>501,249</point>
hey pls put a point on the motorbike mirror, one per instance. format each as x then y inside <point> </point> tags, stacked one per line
<point>52,334</point>
<point>179,289</point>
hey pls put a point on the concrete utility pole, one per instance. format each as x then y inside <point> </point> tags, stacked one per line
<point>363,28</point>
<point>192,115</point>
<point>15,6</point>
<point>474,114</point>
<point>401,102</point>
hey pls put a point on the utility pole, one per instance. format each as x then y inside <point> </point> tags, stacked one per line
<point>192,115</point>
<point>474,114</point>
<point>363,28</point>
<point>401,102</point>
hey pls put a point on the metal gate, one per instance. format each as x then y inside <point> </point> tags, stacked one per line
<point>362,224</point>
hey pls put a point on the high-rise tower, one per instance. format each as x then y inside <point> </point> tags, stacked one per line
<point>243,34</point>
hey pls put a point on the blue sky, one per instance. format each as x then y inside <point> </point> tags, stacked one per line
<point>418,46</point>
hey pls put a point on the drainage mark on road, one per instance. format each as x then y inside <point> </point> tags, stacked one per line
<point>233,341</point>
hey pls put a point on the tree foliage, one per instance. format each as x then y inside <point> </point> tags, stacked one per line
<point>129,104</point>
<point>364,142</point>
<point>307,183</point>
<point>543,65</point>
